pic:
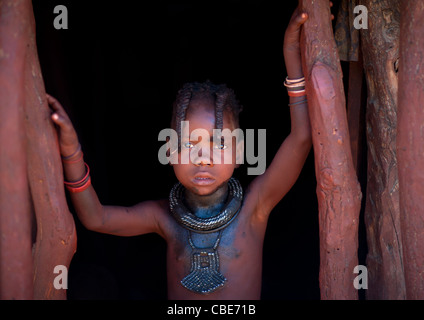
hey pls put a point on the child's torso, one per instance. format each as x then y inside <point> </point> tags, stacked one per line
<point>230,260</point>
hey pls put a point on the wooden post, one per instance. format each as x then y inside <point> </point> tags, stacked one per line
<point>28,124</point>
<point>410,145</point>
<point>380,48</point>
<point>56,236</point>
<point>338,190</point>
<point>15,213</point>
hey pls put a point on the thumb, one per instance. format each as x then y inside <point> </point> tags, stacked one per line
<point>300,19</point>
<point>57,119</point>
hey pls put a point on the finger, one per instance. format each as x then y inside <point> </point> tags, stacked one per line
<point>63,122</point>
<point>298,21</point>
<point>301,18</point>
<point>54,103</point>
<point>331,4</point>
<point>57,119</point>
<point>56,107</point>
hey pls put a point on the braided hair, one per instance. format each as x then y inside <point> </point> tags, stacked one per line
<point>224,97</point>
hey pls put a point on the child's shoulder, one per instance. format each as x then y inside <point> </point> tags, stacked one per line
<point>159,206</point>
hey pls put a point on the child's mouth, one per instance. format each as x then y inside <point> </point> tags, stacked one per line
<point>203,181</point>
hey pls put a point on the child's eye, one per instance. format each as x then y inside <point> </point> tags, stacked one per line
<point>221,146</point>
<point>188,145</point>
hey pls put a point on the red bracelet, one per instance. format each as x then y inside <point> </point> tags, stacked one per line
<point>81,188</point>
<point>80,185</point>
<point>296,93</point>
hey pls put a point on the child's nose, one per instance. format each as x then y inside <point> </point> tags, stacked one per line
<point>204,163</point>
<point>203,159</point>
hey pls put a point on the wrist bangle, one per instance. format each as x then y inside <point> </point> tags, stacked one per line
<point>298,102</point>
<point>73,154</point>
<point>295,84</point>
<point>80,185</point>
<point>299,93</point>
<point>291,81</point>
<point>299,88</point>
<point>81,188</point>
<point>74,161</point>
<point>70,160</point>
<point>295,87</point>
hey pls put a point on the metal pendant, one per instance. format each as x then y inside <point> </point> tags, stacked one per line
<point>204,275</point>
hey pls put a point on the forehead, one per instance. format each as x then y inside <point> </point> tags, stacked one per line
<point>201,113</point>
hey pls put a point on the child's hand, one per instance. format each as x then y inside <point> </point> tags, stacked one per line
<point>68,139</point>
<point>292,35</point>
<point>292,45</point>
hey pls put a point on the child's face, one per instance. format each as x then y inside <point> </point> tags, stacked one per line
<point>202,175</point>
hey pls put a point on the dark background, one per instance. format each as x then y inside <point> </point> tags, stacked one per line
<point>116,70</point>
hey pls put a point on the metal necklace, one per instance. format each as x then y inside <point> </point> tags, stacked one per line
<point>204,276</point>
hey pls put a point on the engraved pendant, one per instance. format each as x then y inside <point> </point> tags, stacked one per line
<point>204,275</point>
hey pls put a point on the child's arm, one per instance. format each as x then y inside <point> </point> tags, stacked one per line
<point>287,164</point>
<point>123,221</point>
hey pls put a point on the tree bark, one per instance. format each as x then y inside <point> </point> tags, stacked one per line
<point>15,210</point>
<point>380,47</point>
<point>410,145</point>
<point>29,135</point>
<point>338,190</point>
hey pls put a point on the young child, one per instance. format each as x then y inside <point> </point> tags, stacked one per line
<point>214,231</point>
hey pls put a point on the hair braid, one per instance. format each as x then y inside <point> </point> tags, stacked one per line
<point>225,100</point>
<point>220,104</point>
<point>181,105</point>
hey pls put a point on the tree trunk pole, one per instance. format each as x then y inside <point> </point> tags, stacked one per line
<point>15,212</point>
<point>380,47</point>
<point>29,157</point>
<point>56,235</point>
<point>410,145</point>
<point>338,190</point>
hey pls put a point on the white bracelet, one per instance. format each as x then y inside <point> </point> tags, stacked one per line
<point>293,81</point>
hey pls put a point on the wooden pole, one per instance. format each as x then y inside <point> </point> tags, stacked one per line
<point>338,190</point>
<point>15,212</point>
<point>56,236</point>
<point>410,145</point>
<point>30,168</point>
<point>380,48</point>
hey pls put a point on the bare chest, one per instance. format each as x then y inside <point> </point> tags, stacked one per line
<point>211,264</point>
